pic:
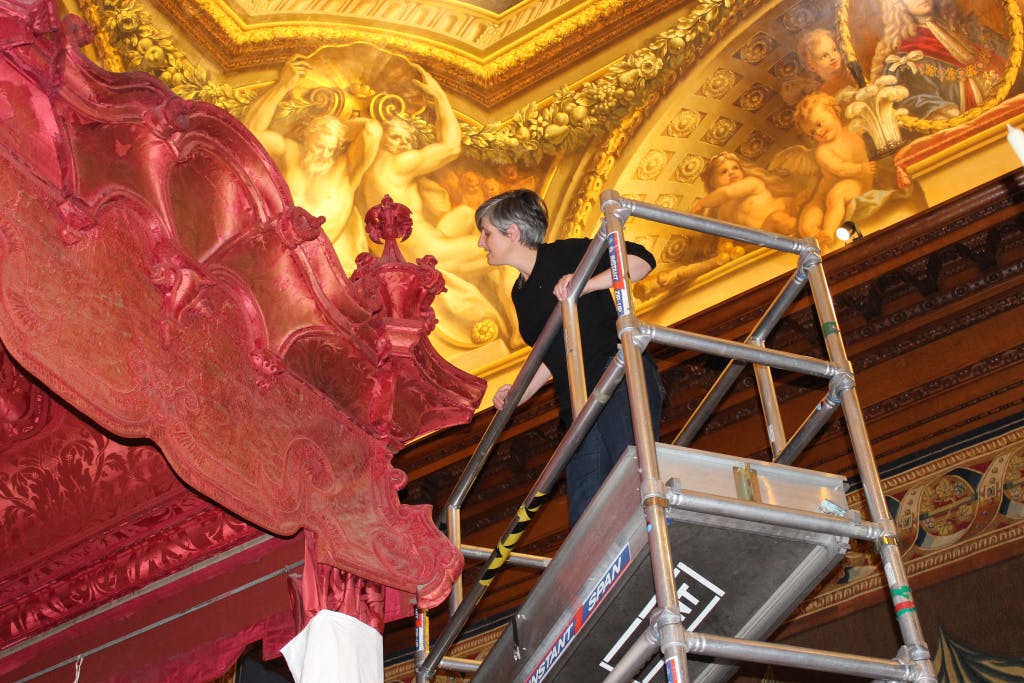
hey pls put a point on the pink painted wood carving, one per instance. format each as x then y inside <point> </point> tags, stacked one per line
<point>155,274</point>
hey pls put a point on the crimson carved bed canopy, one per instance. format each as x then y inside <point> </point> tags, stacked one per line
<point>161,298</point>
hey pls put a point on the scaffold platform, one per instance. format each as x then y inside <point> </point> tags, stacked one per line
<point>733,577</point>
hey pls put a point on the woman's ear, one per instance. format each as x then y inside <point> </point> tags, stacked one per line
<point>513,233</point>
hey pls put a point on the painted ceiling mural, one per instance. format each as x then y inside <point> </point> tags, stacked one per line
<point>791,117</point>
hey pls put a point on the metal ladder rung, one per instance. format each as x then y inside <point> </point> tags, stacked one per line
<point>476,552</point>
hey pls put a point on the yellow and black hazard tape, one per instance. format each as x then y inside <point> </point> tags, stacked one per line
<point>504,549</point>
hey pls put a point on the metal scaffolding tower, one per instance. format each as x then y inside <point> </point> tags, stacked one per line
<point>694,555</point>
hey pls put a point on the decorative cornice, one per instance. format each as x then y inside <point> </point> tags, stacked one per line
<point>987,523</point>
<point>475,53</point>
<point>569,120</point>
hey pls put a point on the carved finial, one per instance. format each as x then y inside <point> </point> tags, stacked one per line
<point>388,222</point>
<point>405,290</point>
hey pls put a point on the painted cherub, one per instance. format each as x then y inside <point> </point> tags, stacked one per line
<point>842,157</point>
<point>820,54</point>
<point>741,194</point>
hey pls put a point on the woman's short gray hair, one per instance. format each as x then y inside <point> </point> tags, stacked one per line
<point>522,208</point>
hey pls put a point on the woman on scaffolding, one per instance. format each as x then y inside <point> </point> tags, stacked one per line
<point>512,228</point>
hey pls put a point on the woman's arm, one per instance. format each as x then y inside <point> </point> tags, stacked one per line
<point>638,267</point>
<point>540,378</point>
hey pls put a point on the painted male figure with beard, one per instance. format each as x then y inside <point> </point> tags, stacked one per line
<point>401,165</point>
<point>474,309</point>
<point>325,166</point>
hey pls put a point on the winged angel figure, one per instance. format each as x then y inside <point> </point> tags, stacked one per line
<point>808,191</point>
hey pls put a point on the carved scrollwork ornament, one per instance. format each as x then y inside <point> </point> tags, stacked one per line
<point>296,225</point>
<point>173,117</point>
<point>77,219</point>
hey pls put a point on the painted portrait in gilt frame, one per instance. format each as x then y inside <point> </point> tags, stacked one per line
<point>956,59</point>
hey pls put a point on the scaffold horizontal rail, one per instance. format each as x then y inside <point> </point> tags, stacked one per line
<point>748,353</point>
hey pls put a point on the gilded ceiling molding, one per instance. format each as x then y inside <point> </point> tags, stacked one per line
<point>534,44</point>
<point>127,40</point>
<point>569,120</point>
<point>476,29</point>
<point>675,50</point>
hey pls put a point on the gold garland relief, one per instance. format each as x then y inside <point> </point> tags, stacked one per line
<point>568,120</point>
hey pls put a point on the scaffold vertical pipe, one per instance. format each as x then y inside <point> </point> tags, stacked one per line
<point>654,496</point>
<point>422,638</point>
<point>574,353</point>
<point>888,547</point>
<point>453,521</point>
<point>770,407</point>
<point>571,328</point>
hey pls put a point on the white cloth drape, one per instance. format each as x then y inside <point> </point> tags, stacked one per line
<point>336,648</point>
